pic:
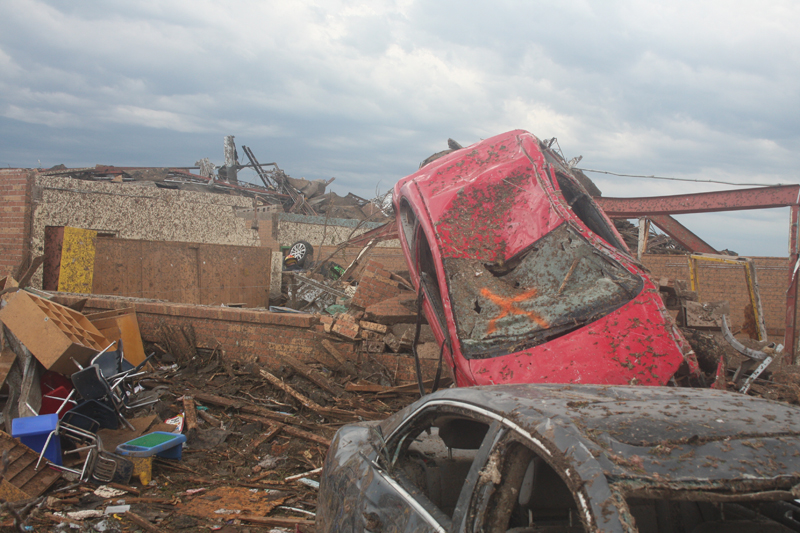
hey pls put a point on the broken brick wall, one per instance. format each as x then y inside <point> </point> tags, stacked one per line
<point>727,282</point>
<point>319,230</point>
<point>284,229</point>
<point>246,335</point>
<point>374,286</point>
<point>138,210</point>
<point>15,219</point>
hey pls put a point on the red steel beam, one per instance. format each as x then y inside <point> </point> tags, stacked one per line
<point>704,202</point>
<point>681,234</point>
<point>658,209</point>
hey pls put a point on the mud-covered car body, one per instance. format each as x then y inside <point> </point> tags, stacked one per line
<point>567,458</point>
<point>525,279</point>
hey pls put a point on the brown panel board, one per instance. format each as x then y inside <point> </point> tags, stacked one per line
<point>22,472</point>
<point>53,243</point>
<point>121,323</point>
<point>118,267</point>
<point>192,273</point>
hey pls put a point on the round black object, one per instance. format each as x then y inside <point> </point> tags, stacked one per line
<point>301,250</point>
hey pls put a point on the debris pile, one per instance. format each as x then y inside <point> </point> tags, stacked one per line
<point>99,435</point>
<point>656,243</point>
<point>301,196</point>
<point>186,437</point>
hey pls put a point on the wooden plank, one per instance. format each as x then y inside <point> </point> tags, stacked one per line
<point>342,360</point>
<point>248,408</point>
<point>273,430</point>
<point>278,522</point>
<point>291,430</point>
<point>367,387</point>
<point>141,522</point>
<point>190,413</point>
<point>313,375</point>
<point>7,358</point>
<point>308,403</point>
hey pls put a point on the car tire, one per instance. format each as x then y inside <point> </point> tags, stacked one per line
<point>301,251</point>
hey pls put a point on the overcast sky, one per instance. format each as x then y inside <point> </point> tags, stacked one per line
<point>363,91</point>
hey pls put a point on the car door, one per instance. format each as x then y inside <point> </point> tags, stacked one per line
<point>419,476</point>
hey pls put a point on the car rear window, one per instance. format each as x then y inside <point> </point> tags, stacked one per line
<point>557,285</point>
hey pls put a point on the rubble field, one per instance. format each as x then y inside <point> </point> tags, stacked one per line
<point>256,432</point>
<point>256,439</point>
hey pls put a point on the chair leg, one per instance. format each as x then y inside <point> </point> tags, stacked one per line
<point>44,448</point>
<point>125,421</point>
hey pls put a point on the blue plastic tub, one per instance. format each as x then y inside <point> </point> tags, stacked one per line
<point>161,443</point>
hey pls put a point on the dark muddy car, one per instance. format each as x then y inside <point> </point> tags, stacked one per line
<point>568,458</point>
<point>525,279</point>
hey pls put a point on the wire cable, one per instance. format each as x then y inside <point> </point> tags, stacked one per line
<point>684,179</point>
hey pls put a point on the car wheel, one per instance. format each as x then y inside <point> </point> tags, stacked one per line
<point>301,250</point>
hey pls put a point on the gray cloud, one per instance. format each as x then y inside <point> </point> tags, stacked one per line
<point>364,90</point>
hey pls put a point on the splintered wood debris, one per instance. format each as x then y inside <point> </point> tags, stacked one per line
<point>257,437</point>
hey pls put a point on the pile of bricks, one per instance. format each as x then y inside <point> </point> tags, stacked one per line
<point>382,318</point>
<point>376,285</point>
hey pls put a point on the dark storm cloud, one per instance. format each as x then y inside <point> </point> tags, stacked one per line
<point>364,91</point>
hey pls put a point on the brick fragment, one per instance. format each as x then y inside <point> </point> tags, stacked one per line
<point>372,326</point>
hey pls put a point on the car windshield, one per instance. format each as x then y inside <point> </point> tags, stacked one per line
<point>556,285</point>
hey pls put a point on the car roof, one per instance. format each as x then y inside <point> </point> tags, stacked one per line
<point>664,433</point>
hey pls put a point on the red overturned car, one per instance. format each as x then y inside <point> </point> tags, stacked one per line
<point>524,279</point>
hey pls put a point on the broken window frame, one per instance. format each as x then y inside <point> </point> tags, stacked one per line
<point>402,436</point>
<point>580,202</point>
<point>712,496</point>
<point>485,510</point>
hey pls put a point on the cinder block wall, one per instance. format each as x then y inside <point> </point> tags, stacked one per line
<point>15,219</point>
<point>138,210</point>
<point>727,282</point>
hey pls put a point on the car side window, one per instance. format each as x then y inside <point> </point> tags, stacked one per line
<point>408,223</point>
<point>525,494</point>
<point>433,456</point>
<point>421,250</point>
<point>427,271</point>
<point>586,210</point>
